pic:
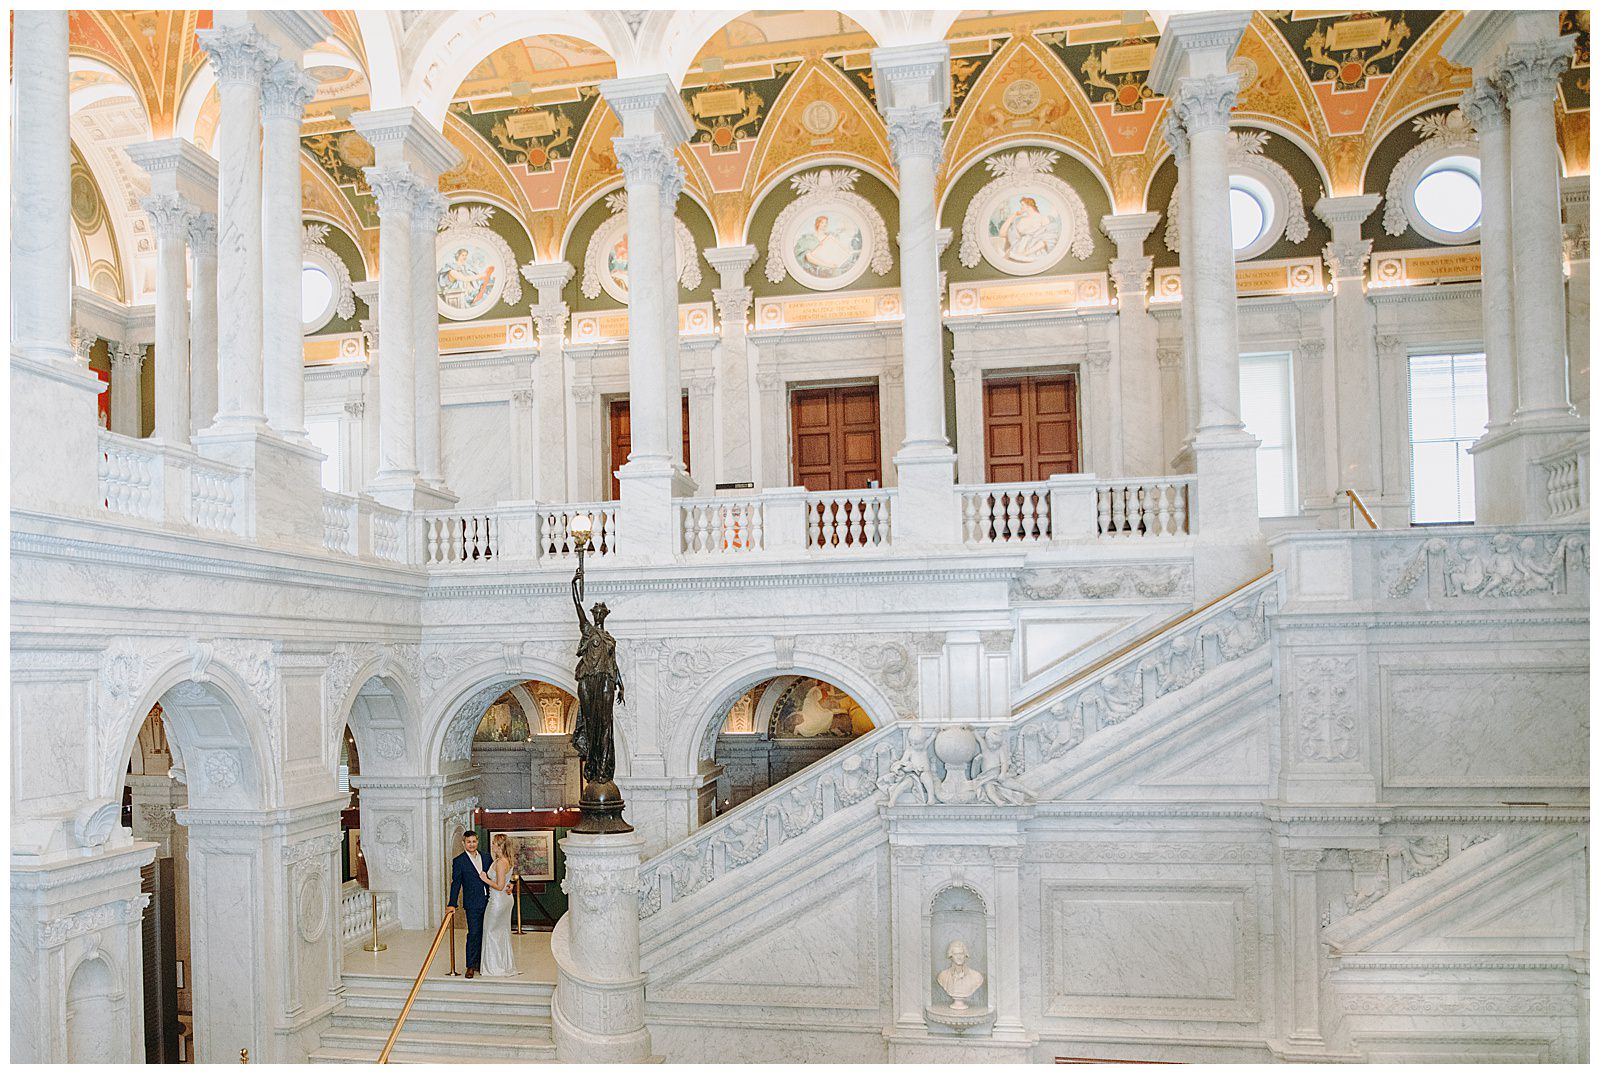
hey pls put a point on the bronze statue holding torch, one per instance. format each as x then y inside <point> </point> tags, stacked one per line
<point>599,687</point>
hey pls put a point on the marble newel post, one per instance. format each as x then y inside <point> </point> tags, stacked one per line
<point>550,394</point>
<point>1357,432</point>
<point>1191,67</point>
<point>1139,382</point>
<point>410,156</point>
<point>52,396</point>
<point>654,124</point>
<point>736,453</point>
<point>913,83</point>
<point>597,1012</point>
<point>285,91</point>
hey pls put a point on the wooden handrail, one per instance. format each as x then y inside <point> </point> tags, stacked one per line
<point>416,986</point>
<point>1357,505</point>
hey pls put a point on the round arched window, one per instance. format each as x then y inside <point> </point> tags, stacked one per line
<point>1252,211</point>
<point>316,295</point>
<point>1449,196</point>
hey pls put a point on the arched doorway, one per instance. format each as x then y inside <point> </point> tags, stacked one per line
<point>778,727</point>
<point>151,795</point>
<point>522,749</point>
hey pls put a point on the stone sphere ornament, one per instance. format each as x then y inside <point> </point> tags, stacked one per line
<point>956,747</point>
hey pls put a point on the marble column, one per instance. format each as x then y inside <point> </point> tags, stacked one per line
<point>735,450</point>
<point>550,314</point>
<point>240,57</point>
<point>53,398</point>
<point>170,217</point>
<point>285,91</point>
<point>1575,239</point>
<point>597,1013</point>
<point>1357,435</point>
<point>913,89</point>
<point>671,189</point>
<point>367,291</point>
<point>127,362</point>
<point>203,321</point>
<point>1177,140</point>
<point>1191,68</point>
<point>396,188</point>
<point>1528,77</point>
<point>426,214</point>
<point>1138,384</point>
<point>1494,469</point>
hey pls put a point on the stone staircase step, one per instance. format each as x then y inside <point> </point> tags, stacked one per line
<point>446,1047</point>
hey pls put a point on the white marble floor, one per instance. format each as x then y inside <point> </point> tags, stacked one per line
<point>407,949</point>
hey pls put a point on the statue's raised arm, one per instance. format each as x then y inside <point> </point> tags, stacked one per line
<point>577,602</point>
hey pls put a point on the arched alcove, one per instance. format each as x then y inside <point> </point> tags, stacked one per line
<point>97,1011</point>
<point>779,727</point>
<point>522,749</point>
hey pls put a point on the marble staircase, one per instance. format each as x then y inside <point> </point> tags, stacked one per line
<point>453,1021</point>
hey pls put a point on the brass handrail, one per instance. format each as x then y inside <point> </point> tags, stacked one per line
<point>416,986</point>
<point>1356,504</point>
<point>1077,677</point>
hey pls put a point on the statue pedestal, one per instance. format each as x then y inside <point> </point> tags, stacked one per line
<point>597,1012</point>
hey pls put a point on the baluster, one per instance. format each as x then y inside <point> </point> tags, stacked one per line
<point>1013,505</point>
<point>969,517</point>
<point>757,539</point>
<point>1102,504</point>
<point>1163,524</point>
<point>860,527</point>
<point>1030,516</point>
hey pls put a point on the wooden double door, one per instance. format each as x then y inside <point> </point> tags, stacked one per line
<point>1030,427</point>
<point>836,439</point>
<point>622,440</point>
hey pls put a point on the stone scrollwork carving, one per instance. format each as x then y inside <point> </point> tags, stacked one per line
<point>594,889</point>
<point>1015,174</point>
<point>1325,708</point>
<point>221,768</point>
<point>1102,583</point>
<point>1441,135</point>
<point>815,189</point>
<point>393,836</point>
<point>94,824</point>
<point>597,274</point>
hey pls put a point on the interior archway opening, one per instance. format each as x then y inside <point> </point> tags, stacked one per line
<point>777,728</point>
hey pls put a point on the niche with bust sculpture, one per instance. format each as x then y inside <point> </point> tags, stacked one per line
<point>958,942</point>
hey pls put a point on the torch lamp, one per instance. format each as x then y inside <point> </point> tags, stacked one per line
<point>581,527</point>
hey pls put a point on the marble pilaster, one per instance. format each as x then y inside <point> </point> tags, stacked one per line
<point>683,484</point>
<point>913,84</point>
<point>240,57</point>
<point>203,321</point>
<point>170,218</point>
<point>53,398</point>
<point>285,91</point>
<point>1575,235</point>
<point>127,365</point>
<point>1137,388</point>
<point>553,403</point>
<point>426,214</point>
<point>735,453</point>
<point>1186,414</point>
<point>367,291</point>
<point>1357,435</point>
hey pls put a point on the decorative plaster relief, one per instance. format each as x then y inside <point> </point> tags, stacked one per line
<point>1325,708</point>
<point>1497,566</point>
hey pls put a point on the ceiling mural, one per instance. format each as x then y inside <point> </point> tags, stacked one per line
<point>773,93</point>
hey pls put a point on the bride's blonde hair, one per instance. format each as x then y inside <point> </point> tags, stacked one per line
<point>497,846</point>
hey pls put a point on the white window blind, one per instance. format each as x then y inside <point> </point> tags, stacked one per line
<point>1266,405</point>
<point>324,436</point>
<point>1449,408</point>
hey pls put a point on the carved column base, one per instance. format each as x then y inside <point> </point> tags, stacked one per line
<point>597,1012</point>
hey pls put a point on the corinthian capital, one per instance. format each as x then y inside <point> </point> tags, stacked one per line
<point>1347,260</point>
<point>1206,103</point>
<point>1530,69</point>
<point>286,90</point>
<point>671,185</point>
<point>916,131</point>
<point>733,304</point>
<point>203,234</point>
<point>1131,275</point>
<point>1176,137</point>
<point>644,158</point>
<point>395,187</point>
<point>170,214</point>
<point>428,210</point>
<point>552,321</point>
<point>238,54</point>
<point>1484,106</point>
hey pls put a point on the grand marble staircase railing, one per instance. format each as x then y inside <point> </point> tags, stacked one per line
<point>1033,744</point>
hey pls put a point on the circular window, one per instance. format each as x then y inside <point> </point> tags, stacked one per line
<point>1449,197</point>
<point>1252,212</point>
<point>316,295</point>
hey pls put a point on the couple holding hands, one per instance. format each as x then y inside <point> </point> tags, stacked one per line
<point>484,889</point>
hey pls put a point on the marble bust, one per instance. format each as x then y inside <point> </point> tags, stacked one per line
<point>959,980</point>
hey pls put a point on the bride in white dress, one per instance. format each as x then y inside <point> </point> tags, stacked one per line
<point>497,957</point>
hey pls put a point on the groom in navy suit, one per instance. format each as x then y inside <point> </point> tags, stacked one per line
<point>466,880</point>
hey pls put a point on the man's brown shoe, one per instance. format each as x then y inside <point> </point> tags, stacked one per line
<point>470,972</point>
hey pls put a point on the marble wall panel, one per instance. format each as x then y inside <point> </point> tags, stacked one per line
<point>477,452</point>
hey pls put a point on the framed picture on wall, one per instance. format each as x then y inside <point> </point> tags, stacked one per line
<point>533,854</point>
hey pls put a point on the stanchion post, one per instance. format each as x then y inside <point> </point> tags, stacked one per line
<point>376,945</point>
<point>518,906</point>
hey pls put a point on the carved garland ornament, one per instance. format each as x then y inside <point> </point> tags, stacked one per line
<point>598,272</point>
<point>1440,136</point>
<point>1245,154</point>
<point>342,303</point>
<point>819,191</point>
<point>1022,181</point>
<point>466,227</point>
